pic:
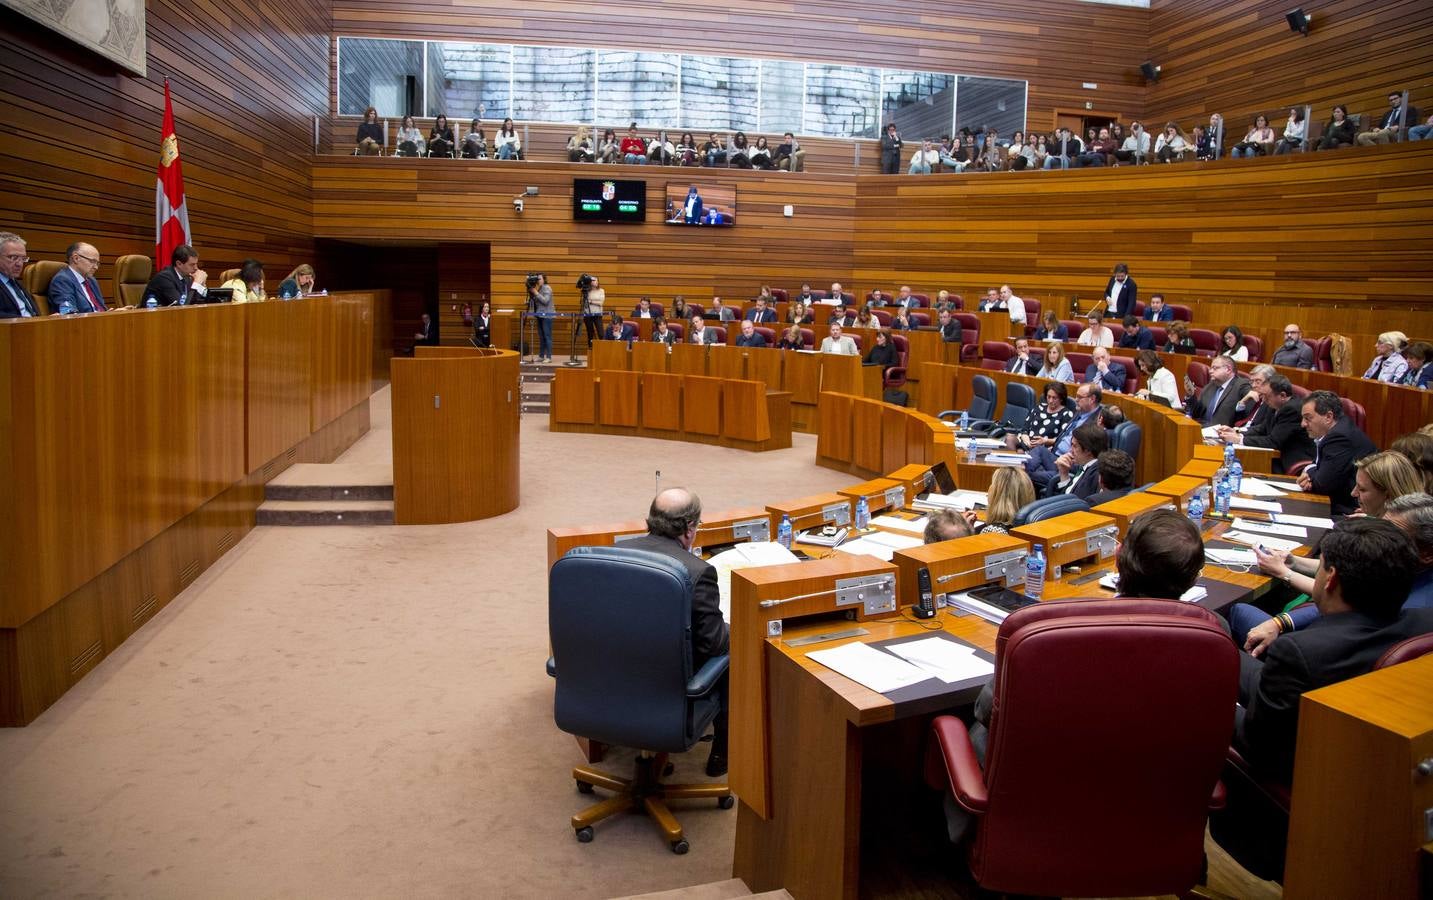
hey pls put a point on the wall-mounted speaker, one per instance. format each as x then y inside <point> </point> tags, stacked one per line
<point>1150,71</point>
<point>1299,21</point>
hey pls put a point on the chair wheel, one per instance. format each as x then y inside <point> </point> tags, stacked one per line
<point>726,802</point>
<point>678,847</point>
<point>584,835</point>
<point>584,787</point>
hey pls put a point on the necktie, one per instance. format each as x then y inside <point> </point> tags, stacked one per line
<point>1213,405</point>
<point>22,300</point>
<point>96,304</point>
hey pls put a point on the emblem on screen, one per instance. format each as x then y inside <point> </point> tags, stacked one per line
<point>609,190</point>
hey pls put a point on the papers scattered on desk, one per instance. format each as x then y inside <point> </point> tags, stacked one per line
<point>1256,488</point>
<point>967,604</point>
<point>1211,434</point>
<point>814,536</point>
<point>1293,531</point>
<point>1227,557</point>
<point>1111,580</point>
<point>1007,459</point>
<point>1268,506</point>
<point>1260,540</point>
<point>914,526</point>
<point>1306,521</point>
<point>880,544</point>
<point>865,665</point>
<point>946,660</point>
<point>957,500</point>
<point>745,556</point>
<point>981,443</point>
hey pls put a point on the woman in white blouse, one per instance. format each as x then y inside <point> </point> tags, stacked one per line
<point>410,140</point>
<point>507,145</point>
<point>1171,144</point>
<point>1057,367</point>
<point>1096,334</point>
<point>1160,381</point>
<point>1257,142</point>
<point>1231,344</point>
<point>1020,153</point>
<point>1294,131</point>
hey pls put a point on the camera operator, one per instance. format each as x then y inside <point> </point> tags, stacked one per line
<point>539,304</point>
<point>593,296</point>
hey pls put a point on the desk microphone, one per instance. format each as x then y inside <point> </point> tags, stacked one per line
<point>656,482</point>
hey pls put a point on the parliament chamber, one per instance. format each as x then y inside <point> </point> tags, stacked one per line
<point>196,699</point>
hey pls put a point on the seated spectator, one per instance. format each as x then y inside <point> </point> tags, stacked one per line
<point>661,150</point>
<point>1257,142</point>
<point>944,300</point>
<point>1050,328</point>
<point>992,157</point>
<point>687,154</point>
<point>300,282</point>
<point>1095,333</point>
<point>1178,339</point>
<point>713,151</point>
<point>1136,336</point>
<point>950,330</point>
<point>1365,573</point>
<point>1158,311</point>
<point>1421,132</point>
<point>739,154</point>
<point>838,343</point>
<point>1116,475</point>
<point>1159,381</point>
<point>1023,362</point>
<point>633,148</point>
<point>1010,491</point>
<point>805,298</point>
<point>1109,374</point>
<point>1419,357</point>
<point>883,352</point>
<point>440,139</point>
<point>990,302</point>
<point>878,299</point>
<point>789,155</point>
<point>1056,366</point>
<point>1135,147</point>
<point>1021,152</point>
<point>678,312</point>
<point>1250,409</point>
<point>579,146</point>
<point>507,145</point>
<point>1418,447</point>
<point>719,313</point>
<point>902,320</point>
<point>797,313</point>
<point>1293,351</point>
<point>662,333</point>
<point>1389,366</point>
<point>791,339</point>
<point>1041,146</point>
<point>762,314</point>
<point>609,149</point>
<point>761,156</point>
<point>864,318</point>
<point>843,314</point>
<point>1077,472</point>
<point>1231,344</point>
<point>1294,131</point>
<point>427,333</point>
<point>1044,425</point>
<point>1339,131</point>
<point>945,525</point>
<point>1064,149</point>
<point>475,142</point>
<point>409,139</point>
<point>924,159</point>
<point>905,299</point>
<point>1210,145</point>
<point>966,154</point>
<point>1280,430</point>
<point>699,333</point>
<point>74,289</point>
<point>369,141</point>
<point>618,330</point>
<point>1215,403</point>
<point>1393,120</point>
<point>1096,152</point>
<point>1338,446</point>
<point>749,336</point>
<point>1172,144</point>
<point>248,285</point>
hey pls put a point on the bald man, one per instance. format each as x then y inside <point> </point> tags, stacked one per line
<point>75,284</point>
<point>672,523</point>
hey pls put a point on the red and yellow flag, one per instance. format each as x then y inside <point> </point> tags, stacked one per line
<point>171,216</point>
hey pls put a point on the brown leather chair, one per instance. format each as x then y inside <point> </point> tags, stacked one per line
<point>36,278</point>
<point>131,274</point>
<point>227,276</point>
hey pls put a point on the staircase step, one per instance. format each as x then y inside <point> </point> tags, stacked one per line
<point>325,512</point>
<point>330,492</point>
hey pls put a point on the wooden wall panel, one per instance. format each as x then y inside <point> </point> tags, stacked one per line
<point>1241,58</point>
<point>279,381</point>
<point>341,370</point>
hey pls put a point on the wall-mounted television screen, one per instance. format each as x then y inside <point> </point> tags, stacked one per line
<point>609,200</point>
<point>700,204</point>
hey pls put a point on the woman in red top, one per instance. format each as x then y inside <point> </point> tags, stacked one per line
<point>634,149</point>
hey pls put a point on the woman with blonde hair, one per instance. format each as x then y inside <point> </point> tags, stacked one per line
<point>1382,477</point>
<point>299,283</point>
<point>1389,366</point>
<point>579,146</point>
<point>1056,367</point>
<point>1010,490</point>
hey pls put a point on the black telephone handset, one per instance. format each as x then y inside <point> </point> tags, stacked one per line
<point>925,608</point>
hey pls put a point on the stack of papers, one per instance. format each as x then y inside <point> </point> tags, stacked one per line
<point>814,536</point>
<point>896,523</point>
<point>946,660</point>
<point>1111,580</point>
<point>1259,540</point>
<point>957,500</point>
<point>1256,488</point>
<point>1306,521</point>
<point>980,443</point>
<point>1293,531</point>
<point>1231,557</point>
<point>1007,458</point>
<point>880,544</point>
<point>745,556</point>
<point>865,665</point>
<point>1261,505</point>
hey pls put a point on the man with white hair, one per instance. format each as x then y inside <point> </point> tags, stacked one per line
<point>1105,372</point>
<point>1013,305</point>
<point>74,288</point>
<point>15,301</point>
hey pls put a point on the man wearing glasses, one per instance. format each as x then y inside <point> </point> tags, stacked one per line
<point>74,288</point>
<point>15,302</point>
<point>1294,352</point>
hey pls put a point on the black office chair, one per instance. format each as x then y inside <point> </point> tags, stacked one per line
<point>982,406</point>
<point>1127,436</point>
<point>1049,508</point>
<point>621,635</point>
<point>1019,402</point>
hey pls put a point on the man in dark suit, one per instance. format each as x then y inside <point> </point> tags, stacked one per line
<point>182,281</point>
<point>761,313</point>
<point>1023,362</point>
<point>427,333</point>
<point>662,334</point>
<point>843,316</point>
<point>1116,474</point>
<point>1280,429</point>
<point>1338,444</point>
<point>1366,570</point>
<point>950,330</point>
<point>1136,336</point>
<point>75,286</point>
<point>672,523</point>
<point>1391,122</point>
<point>1105,372</point>
<point>1078,472</point>
<point>15,301</point>
<point>1121,294</point>
<point>617,330</point>
<point>699,333</point>
<point>1216,401</point>
<point>1157,311</point>
<point>749,336</point>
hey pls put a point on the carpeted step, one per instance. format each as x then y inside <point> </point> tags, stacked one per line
<point>325,512</point>
<point>716,890</point>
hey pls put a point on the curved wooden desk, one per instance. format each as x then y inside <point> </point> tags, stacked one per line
<point>455,435</point>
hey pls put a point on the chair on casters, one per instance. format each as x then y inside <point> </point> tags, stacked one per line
<point>1110,795</point>
<point>982,405</point>
<point>620,628</point>
<point>1049,508</point>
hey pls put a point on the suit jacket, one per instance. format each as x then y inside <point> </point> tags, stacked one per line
<point>847,321</point>
<point>483,331</point>
<point>1328,650</point>
<point>760,316</point>
<point>1129,295</point>
<point>1281,430</point>
<point>757,339</point>
<point>1062,333</point>
<point>65,288</point>
<point>709,336</point>
<point>669,339</point>
<point>167,289</point>
<point>1087,483</point>
<point>709,631</point>
<point>1031,367</point>
<point>9,308</point>
<point>625,334</point>
<point>1235,388</point>
<point>1332,470</point>
<point>1106,496</point>
<point>1165,315</point>
<point>1142,341</point>
<point>1302,356</point>
<point>724,314</point>
<point>950,332</point>
<point>428,338</point>
<point>1112,380</point>
<point>1394,117</point>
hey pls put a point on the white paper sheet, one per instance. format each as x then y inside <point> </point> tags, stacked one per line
<point>1231,557</point>
<point>1257,488</point>
<point>1306,521</point>
<point>914,526</point>
<point>959,500</point>
<point>1257,540</point>
<point>1007,459</point>
<point>946,660</point>
<point>1111,580</point>
<point>865,665</point>
<point>880,544</point>
<point>1293,531</point>
<point>745,556</point>
<point>1261,505</point>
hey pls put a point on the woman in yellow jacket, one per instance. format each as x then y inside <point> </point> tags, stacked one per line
<point>248,285</point>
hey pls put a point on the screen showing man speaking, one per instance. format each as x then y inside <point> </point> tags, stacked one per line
<point>700,204</point>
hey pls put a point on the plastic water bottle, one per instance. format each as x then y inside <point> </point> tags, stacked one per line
<point>863,514</point>
<point>1221,492</point>
<point>1196,509</point>
<point>783,532</point>
<point>964,420</point>
<point>970,450</point>
<point>1035,573</point>
<point>66,308</point>
<point>150,302</point>
<point>286,295</point>
<point>1236,475</point>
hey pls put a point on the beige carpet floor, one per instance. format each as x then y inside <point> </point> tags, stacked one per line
<point>362,712</point>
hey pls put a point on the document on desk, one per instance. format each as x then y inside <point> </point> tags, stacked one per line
<point>1255,487</point>
<point>957,500</point>
<point>880,544</point>
<point>1306,521</point>
<point>1226,557</point>
<point>1259,540</point>
<point>1293,531</point>
<point>1112,581</point>
<point>946,660</point>
<point>865,665</point>
<point>746,556</point>
<point>1268,506</point>
<point>914,526</point>
<point>1007,459</point>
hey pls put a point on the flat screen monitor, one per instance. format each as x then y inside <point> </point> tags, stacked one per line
<point>609,200</point>
<point>712,205</point>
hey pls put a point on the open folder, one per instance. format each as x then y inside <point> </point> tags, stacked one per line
<point>746,556</point>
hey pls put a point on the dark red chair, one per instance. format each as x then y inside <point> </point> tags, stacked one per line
<point>695,309</point>
<point>768,333</point>
<point>808,337</point>
<point>855,338</point>
<point>1182,313</point>
<point>958,300</point>
<point>1161,335</point>
<point>1355,412</point>
<point>1255,345</point>
<point>969,335</point>
<point>1033,310</point>
<point>1079,362</point>
<point>677,328</point>
<point>1198,373</point>
<point>1407,650</point>
<point>882,316</point>
<point>780,294</point>
<point>922,299</point>
<point>1131,373</point>
<point>820,295</point>
<point>1106,797</point>
<point>1075,329</point>
<point>1117,329</point>
<point>920,319</point>
<point>720,333</point>
<point>1139,308</point>
<point>1206,342</point>
<point>895,376</point>
<point>1323,354</point>
<point>995,354</point>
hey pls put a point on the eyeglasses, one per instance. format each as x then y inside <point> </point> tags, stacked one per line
<point>93,260</point>
<point>17,257</point>
<point>1291,334</point>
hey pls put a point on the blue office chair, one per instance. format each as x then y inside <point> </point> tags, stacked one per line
<point>1049,508</point>
<point>621,634</point>
<point>982,406</point>
<point>1019,402</point>
<point>1127,436</point>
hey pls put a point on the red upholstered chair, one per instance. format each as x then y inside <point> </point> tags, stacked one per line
<point>1161,335</point>
<point>1198,373</point>
<point>1139,308</point>
<point>969,335</point>
<point>855,338</point>
<point>780,294</point>
<point>1407,650</point>
<point>1206,342</point>
<point>768,333</point>
<point>995,354</point>
<point>920,319</point>
<point>1355,412</point>
<point>1301,393</point>
<point>1131,373</point>
<point>808,337</point>
<point>679,329</point>
<point>1075,329</point>
<point>720,333</point>
<point>1109,796</point>
<point>1182,313</point>
<point>1117,329</point>
<point>922,299</point>
<point>1079,362</point>
<point>820,295</point>
<point>1255,345</point>
<point>1033,311</point>
<point>1323,354</point>
<point>958,300</point>
<point>895,376</point>
<point>882,316</point>
<point>695,309</point>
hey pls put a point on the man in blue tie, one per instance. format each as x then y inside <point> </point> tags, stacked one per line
<point>1215,403</point>
<point>15,301</point>
<point>1041,464</point>
<point>74,288</point>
